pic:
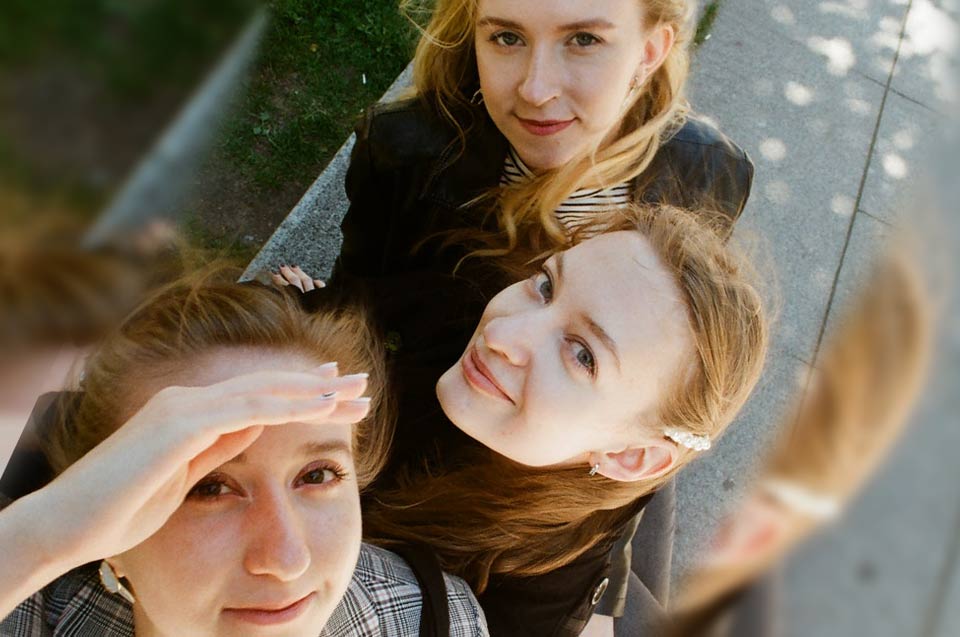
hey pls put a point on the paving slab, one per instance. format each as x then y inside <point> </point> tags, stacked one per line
<point>848,36</point>
<point>712,485</point>
<point>869,238</point>
<point>927,66</point>
<point>809,133</point>
<point>882,569</point>
<point>901,158</point>
<point>946,623</point>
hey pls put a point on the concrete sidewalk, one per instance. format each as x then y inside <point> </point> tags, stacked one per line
<point>839,104</point>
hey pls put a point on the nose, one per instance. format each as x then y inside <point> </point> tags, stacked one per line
<point>512,337</point>
<point>277,546</point>
<point>542,80</point>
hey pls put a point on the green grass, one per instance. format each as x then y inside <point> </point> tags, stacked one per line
<point>308,87</point>
<point>136,47</point>
<point>301,101</point>
<point>706,22</point>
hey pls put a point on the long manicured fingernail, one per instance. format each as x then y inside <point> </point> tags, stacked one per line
<point>358,375</point>
<point>327,366</point>
<point>328,396</point>
<point>363,400</point>
<point>319,283</point>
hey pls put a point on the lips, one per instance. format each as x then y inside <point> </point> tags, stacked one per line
<point>268,614</point>
<point>545,127</point>
<point>480,377</point>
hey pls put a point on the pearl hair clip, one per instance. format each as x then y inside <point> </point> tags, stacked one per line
<point>686,439</point>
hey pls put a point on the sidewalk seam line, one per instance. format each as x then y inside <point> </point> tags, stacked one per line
<point>863,182</point>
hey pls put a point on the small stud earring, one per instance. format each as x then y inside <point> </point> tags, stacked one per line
<point>110,581</point>
<point>594,470</point>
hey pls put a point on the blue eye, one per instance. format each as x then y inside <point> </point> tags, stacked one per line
<point>585,358</point>
<point>584,39</point>
<point>543,284</point>
<point>505,38</point>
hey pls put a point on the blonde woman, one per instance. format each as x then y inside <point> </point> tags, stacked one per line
<point>530,119</point>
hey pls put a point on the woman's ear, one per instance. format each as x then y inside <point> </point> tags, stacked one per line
<point>656,48</point>
<point>650,461</point>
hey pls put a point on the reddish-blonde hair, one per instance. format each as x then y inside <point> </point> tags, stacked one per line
<point>493,516</point>
<point>208,311</point>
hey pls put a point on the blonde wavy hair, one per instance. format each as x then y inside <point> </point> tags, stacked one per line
<point>445,76</point>
<point>492,516</point>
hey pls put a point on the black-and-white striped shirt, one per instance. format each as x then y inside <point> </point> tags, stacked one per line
<point>581,206</point>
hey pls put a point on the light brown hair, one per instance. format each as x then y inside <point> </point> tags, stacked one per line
<point>492,516</point>
<point>869,374</point>
<point>207,311</point>
<point>866,380</point>
<point>445,77</point>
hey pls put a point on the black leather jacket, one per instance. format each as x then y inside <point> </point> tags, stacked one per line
<point>408,179</point>
<point>407,183</point>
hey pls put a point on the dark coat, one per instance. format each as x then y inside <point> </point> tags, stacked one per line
<point>408,182</point>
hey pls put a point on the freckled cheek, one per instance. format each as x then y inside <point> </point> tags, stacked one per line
<point>499,81</point>
<point>334,530</point>
<point>183,569</point>
<point>599,92</point>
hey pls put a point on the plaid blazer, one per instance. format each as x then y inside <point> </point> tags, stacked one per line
<point>383,599</point>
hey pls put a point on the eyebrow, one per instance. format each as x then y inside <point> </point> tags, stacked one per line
<point>592,24</point>
<point>595,328</point>
<point>307,449</point>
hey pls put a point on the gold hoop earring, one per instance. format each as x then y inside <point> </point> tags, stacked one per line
<point>110,581</point>
<point>477,97</point>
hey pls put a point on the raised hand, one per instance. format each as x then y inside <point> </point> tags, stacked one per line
<point>126,488</point>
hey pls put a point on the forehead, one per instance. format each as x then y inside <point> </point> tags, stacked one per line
<point>286,440</point>
<point>290,445</point>
<point>620,282</point>
<point>552,13</point>
<point>220,364</point>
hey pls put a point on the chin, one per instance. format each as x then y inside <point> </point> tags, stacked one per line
<point>544,159</point>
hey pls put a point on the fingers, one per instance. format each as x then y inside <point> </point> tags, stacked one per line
<point>227,447</point>
<point>306,281</point>
<point>267,398</point>
<point>293,275</point>
<point>289,384</point>
<point>327,370</point>
<point>349,411</point>
<point>293,278</point>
